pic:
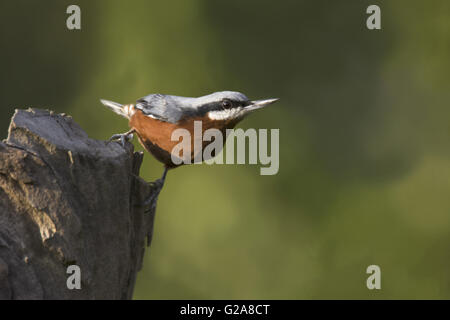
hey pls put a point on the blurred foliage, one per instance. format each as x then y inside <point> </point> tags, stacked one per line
<point>364,128</point>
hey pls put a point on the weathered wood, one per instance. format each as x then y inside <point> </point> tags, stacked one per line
<point>66,199</point>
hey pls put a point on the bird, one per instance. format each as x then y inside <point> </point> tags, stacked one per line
<point>153,118</point>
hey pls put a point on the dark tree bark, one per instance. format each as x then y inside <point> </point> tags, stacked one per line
<point>66,199</point>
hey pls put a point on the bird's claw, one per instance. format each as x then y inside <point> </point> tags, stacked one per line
<point>156,189</point>
<point>156,184</point>
<point>123,138</point>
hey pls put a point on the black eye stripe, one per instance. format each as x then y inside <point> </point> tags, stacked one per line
<point>246,103</point>
<point>218,106</point>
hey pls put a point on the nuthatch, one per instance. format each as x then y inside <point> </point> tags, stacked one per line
<point>154,117</point>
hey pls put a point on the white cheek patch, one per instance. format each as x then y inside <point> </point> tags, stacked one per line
<point>224,114</point>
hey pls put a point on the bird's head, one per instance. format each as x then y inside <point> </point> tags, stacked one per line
<point>229,105</point>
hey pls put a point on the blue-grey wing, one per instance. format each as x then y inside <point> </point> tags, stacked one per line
<point>163,107</point>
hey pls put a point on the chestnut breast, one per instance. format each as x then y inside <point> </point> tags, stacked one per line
<point>155,135</point>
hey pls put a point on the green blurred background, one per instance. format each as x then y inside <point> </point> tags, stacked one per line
<point>364,131</point>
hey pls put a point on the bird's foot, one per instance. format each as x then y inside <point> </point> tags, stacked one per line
<point>122,137</point>
<point>156,187</point>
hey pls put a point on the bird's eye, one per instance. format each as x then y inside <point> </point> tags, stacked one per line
<point>226,103</point>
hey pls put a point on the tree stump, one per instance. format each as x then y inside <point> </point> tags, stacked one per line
<point>66,199</point>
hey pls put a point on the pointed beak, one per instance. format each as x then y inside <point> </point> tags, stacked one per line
<point>258,104</point>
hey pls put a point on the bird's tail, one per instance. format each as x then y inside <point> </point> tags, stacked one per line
<point>118,108</point>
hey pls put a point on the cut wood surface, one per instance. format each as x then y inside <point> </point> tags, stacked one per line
<point>66,199</point>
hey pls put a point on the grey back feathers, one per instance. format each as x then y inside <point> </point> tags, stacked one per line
<point>174,108</point>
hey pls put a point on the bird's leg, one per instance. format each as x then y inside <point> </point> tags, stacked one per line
<point>123,137</point>
<point>158,185</point>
